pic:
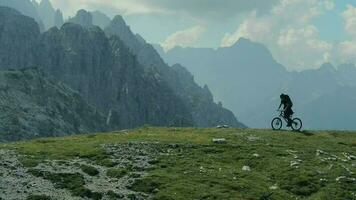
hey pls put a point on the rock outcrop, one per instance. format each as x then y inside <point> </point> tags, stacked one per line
<point>18,39</point>
<point>32,105</point>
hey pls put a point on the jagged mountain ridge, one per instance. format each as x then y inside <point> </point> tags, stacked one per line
<point>151,60</point>
<point>43,12</point>
<point>247,78</point>
<point>105,72</point>
<point>240,76</point>
<point>84,59</point>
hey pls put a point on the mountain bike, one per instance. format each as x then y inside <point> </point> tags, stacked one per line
<point>277,122</point>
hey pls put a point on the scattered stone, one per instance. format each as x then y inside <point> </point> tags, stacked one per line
<point>340,177</point>
<point>246,168</point>
<point>223,126</point>
<point>252,138</point>
<point>256,155</point>
<point>219,141</point>
<point>274,187</point>
<point>349,156</point>
<point>294,164</point>
<point>323,180</point>
<point>319,152</point>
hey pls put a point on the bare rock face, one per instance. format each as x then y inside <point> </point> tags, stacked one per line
<point>34,106</point>
<point>18,39</point>
<point>199,101</point>
<point>83,18</point>
<point>107,75</point>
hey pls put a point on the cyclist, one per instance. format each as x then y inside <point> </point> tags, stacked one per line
<point>287,108</point>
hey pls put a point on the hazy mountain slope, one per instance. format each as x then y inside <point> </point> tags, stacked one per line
<point>151,60</point>
<point>107,75</point>
<point>48,14</point>
<point>200,100</point>
<point>246,77</point>
<point>25,7</point>
<point>34,106</point>
<point>18,38</point>
<point>102,70</point>
<point>242,76</point>
<point>334,110</point>
<point>100,19</point>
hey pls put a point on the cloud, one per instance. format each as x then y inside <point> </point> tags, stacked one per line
<point>198,9</point>
<point>183,38</point>
<point>345,50</point>
<point>123,7</point>
<point>349,15</point>
<point>287,31</point>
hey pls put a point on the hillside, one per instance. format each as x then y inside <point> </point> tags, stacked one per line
<point>32,105</point>
<point>182,163</point>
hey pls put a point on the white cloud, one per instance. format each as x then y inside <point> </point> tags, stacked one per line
<point>201,9</point>
<point>288,33</point>
<point>345,50</point>
<point>183,38</point>
<point>123,7</point>
<point>253,27</point>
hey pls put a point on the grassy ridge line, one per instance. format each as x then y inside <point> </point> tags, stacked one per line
<point>72,146</point>
<point>284,165</point>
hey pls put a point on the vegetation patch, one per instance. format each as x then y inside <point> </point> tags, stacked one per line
<point>38,197</point>
<point>107,162</point>
<point>116,173</point>
<point>300,182</point>
<point>73,182</point>
<point>90,170</point>
<point>114,196</point>
<point>29,162</point>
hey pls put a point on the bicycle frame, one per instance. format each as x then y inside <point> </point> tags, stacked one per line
<point>282,116</point>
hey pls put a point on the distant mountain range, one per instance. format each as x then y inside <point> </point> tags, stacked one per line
<point>115,71</point>
<point>248,80</point>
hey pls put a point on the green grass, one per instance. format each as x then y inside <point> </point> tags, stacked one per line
<point>38,197</point>
<point>116,173</point>
<point>73,182</point>
<point>190,166</point>
<point>90,170</point>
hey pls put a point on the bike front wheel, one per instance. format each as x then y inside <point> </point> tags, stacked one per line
<point>297,124</point>
<point>277,123</point>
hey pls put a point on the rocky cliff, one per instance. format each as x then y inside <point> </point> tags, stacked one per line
<point>108,74</point>
<point>101,69</point>
<point>205,111</point>
<point>32,105</point>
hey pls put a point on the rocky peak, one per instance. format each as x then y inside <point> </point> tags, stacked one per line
<point>100,19</point>
<point>58,18</point>
<point>83,18</point>
<point>118,22</point>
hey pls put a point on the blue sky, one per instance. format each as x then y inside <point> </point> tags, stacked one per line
<point>300,33</point>
<point>330,24</point>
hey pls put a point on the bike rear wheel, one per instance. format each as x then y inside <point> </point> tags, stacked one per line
<point>297,124</point>
<point>277,123</point>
